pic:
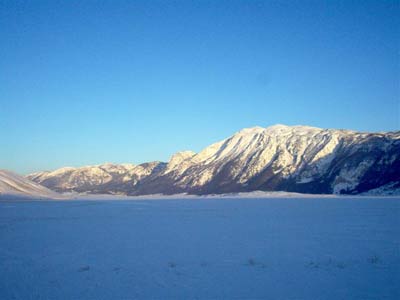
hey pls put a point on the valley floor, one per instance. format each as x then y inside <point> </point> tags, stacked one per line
<point>286,248</point>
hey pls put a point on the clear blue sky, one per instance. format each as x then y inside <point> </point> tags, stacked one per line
<point>86,82</point>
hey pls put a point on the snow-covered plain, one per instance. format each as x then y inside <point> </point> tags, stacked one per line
<point>275,248</point>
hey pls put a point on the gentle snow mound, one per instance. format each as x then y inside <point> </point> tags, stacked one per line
<point>12,184</point>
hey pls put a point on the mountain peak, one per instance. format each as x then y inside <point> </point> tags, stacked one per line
<point>178,158</point>
<point>278,126</point>
<point>251,130</point>
<point>280,157</point>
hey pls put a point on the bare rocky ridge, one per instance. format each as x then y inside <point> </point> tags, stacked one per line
<point>278,158</point>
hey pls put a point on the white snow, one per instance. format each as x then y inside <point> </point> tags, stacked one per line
<point>275,248</point>
<point>13,184</point>
<point>241,195</point>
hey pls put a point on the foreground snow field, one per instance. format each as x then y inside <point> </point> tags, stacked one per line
<point>297,248</point>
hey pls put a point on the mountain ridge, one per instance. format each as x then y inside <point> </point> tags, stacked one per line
<point>288,158</point>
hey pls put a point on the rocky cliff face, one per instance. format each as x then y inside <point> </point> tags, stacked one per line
<point>296,159</point>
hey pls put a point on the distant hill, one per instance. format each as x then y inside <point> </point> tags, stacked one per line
<point>15,186</point>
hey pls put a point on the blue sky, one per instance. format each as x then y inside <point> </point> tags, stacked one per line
<point>86,82</point>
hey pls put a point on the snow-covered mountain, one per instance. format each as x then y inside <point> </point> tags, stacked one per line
<point>107,178</point>
<point>14,185</point>
<point>278,158</point>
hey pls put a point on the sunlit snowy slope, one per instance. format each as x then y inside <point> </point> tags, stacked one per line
<point>278,158</point>
<point>12,184</point>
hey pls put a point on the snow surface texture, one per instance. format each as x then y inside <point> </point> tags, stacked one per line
<point>248,195</point>
<point>299,248</point>
<point>12,184</point>
<point>278,158</point>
